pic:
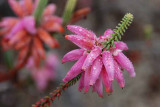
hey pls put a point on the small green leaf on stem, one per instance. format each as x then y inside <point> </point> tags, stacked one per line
<point>68,12</point>
<point>39,10</point>
<point>8,57</point>
<point>119,30</point>
<point>57,92</point>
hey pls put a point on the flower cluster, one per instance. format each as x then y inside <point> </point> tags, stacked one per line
<point>95,62</point>
<point>22,33</point>
<point>42,75</point>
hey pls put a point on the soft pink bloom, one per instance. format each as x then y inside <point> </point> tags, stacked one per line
<point>81,82</point>
<point>125,63</point>
<point>80,41</point>
<point>95,70</point>
<point>42,75</point>
<point>108,62</point>
<point>95,63</point>
<point>87,77</point>
<point>82,32</point>
<point>91,57</point>
<point>98,87</point>
<point>18,32</point>
<point>73,55</point>
<point>75,70</point>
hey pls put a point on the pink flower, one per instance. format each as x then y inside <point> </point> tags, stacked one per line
<point>95,63</point>
<point>42,75</point>
<point>22,31</point>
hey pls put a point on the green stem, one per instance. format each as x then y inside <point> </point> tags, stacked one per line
<point>67,15</point>
<point>56,93</point>
<point>119,31</point>
<point>8,56</point>
<point>39,10</point>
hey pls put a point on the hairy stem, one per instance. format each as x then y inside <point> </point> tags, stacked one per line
<point>56,93</point>
<point>119,30</point>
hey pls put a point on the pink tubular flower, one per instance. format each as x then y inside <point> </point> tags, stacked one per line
<point>95,63</point>
<point>18,33</point>
<point>42,75</point>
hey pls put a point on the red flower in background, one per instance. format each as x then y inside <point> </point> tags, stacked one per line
<point>21,33</point>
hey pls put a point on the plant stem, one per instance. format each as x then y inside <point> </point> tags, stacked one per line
<point>39,10</point>
<point>56,93</point>
<point>68,12</point>
<point>8,56</point>
<point>119,31</point>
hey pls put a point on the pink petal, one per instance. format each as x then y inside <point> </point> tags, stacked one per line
<point>80,41</point>
<point>81,31</point>
<point>36,3</point>
<point>121,45</point>
<point>29,24</point>
<point>75,70</point>
<point>52,60</point>
<point>125,63</point>
<point>49,10</point>
<point>42,77</point>
<point>108,32</point>
<point>104,37</point>
<point>52,19</point>
<point>109,64</point>
<point>47,38</point>
<point>115,52</point>
<point>91,57</point>
<point>38,47</point>
<point>18,27</point>
<point>73,55</point>
<point>52,24</point>
<point>53,27</point>
<point>98,87</point>
<point>4,31</point>
<point>95,70</point>
<point>18,36</point>
<point>119,75</point>
<point>16,7</point>
<point>57,19</point>
<point>81,82</point>
<point>8,22</point>
<point>29,6</point>
<point>22,4</point>
<point>106,81</point>
<point>87,79</point>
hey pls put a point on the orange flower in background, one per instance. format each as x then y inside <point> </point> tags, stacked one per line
<point>21,33</point>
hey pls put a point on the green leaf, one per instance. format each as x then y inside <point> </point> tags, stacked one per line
<point>8,56</point>
<point>39,10</point>
<point>69,8</point>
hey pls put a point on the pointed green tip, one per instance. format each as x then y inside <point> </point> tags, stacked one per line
<point>129,15</point>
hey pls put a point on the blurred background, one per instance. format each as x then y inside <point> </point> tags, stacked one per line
<point>142,37</point>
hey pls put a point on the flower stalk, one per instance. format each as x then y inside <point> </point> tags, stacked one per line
<point>56,93</point>
<point>119,30</point>
<point>39,10</point>
<point>68,12</point>
<point>116,36</point>
<point>8,56</point>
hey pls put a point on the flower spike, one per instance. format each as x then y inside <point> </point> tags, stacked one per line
<point>100,59</point>
<point>119,31</point>
<point>100,63</point>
